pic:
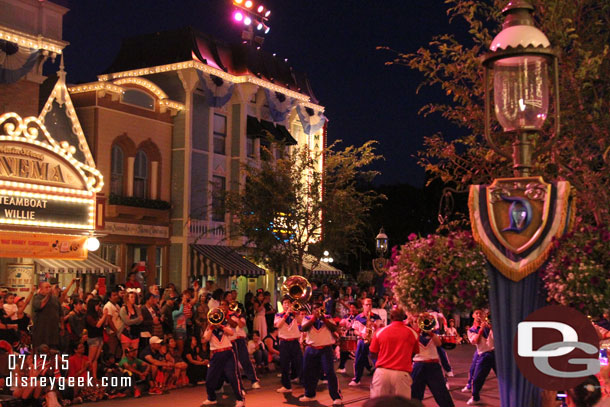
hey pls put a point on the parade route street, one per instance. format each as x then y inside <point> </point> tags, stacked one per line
<point>352,396</point>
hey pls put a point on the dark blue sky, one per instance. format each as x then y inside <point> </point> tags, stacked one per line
<point>332,41</point>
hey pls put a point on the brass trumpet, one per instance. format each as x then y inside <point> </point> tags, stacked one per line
<point>426,322</point>
<point>234,307</point>
<point>216,316</point>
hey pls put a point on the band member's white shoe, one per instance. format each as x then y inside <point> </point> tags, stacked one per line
<point>447,386</point>
<point>337,402</point>
<point>209,403</point>
<point>284,390</point>
<point>341,370</point>
<point>306,399</point>
<point>465,389</point>
<point>472,402</point>
<point>256,385</point>
<point>240,404</point>
<point>354,383</point>
<point>450,374</point>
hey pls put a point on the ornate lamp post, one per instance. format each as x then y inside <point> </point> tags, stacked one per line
<point>381,247</point>
<point>515,219</point>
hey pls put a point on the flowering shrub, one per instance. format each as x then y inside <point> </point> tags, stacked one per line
<point>578,270</point>
<point>444,271</point>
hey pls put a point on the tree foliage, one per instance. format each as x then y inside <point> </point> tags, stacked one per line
<point>579,153</point>
<point>288,209</point>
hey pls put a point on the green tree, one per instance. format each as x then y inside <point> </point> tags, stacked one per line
<point>289,210</point>
<point>579,154</point>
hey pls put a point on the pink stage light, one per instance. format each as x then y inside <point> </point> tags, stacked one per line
<point>249,4</point>
<point>267,13</point>
<point>238,16</point>
<point>247,21</point>
<point>259,26</point>
<point>260,9</point>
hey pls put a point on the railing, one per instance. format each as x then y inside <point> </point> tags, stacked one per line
<point>206,228</point>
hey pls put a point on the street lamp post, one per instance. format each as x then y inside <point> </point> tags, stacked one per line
<point>515,220</point>
<point>381,247</point>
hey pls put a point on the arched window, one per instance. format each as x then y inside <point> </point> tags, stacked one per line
<point>116,170</point>
<point>138,98</point>
<point>140,175</point>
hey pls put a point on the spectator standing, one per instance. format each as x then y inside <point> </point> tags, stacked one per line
<point>46,311</point>
<point>95,320</point>
<point>131,315</point>
<point>115,323</point>
<point>395,346</point>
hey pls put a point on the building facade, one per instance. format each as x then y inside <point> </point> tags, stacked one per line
<point>197,110</point>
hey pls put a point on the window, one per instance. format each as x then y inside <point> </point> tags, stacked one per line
<point>159,266</point>
<point>218,198</point>
<point>116,171</point>
<point>138,98</point>
<point>140,175</point>
<point>220,133</point>
<point>250,146</point>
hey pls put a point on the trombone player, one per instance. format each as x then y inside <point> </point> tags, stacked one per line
<point>291,356</point>
<point>223,363</point>
<point>365,324</point>
<point>240,346</point>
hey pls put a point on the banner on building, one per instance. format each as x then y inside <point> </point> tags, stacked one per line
<point>42,246</point>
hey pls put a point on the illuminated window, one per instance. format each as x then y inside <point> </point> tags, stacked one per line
<point>218,198</point>
<point>116,172</point>
<point>138,98</point>
<point>250,146</point>
<point>220,133</point>
<point>140,175</point>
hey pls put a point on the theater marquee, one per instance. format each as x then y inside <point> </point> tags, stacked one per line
<point>43,189</point>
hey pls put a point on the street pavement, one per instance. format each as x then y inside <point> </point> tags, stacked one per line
<point>352,396</point>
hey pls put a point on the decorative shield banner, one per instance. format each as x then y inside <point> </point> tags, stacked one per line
<point>515,220</point>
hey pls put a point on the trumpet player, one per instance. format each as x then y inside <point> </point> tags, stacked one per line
<point>481,335</point>
<point>427,370</point>
<point>319,355</point>
<point>365,324</point>
<point>239,341</point>
<point>223,363</point>
<point>291,356</point>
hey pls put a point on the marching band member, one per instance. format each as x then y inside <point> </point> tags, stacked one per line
<point>364,326</point>
<point>223,363</point>
<point>291,356</point>
<point>319,354</point>
<point>346,323</point>
<point>482,337</point>
<point>427,370</point>
<point>240,346</point>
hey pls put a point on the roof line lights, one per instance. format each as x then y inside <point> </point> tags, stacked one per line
<point>305,100</point>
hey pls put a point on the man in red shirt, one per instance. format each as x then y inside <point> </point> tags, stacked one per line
<point>395,346</point>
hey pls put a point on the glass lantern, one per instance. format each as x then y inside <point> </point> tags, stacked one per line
<point>381,242</point>
<point>521,92</point>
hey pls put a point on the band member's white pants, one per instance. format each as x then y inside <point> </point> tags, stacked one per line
<point>387,382</point>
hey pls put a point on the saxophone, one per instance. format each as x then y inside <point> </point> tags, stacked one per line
<point>368,336</point>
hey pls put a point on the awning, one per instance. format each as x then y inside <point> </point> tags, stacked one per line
<point>253,127</point>
<point>92,265</point>
<point>321,269</point>
<point>221,260</point>
<point>286,136</point>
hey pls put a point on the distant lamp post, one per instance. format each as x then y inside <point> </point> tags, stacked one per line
<point>381,247</point>
<point>327,258</point>
<point>519,62</point>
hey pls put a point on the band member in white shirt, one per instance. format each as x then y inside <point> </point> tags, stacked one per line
<point>319,355</point>
<point>481,335</point>
<point>288,323</point>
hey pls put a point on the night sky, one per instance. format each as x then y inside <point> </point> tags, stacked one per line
<point>332,41</point>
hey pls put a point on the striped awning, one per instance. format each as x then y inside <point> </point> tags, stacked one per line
<point>321,269</point>
<point>208,260</point>
<point>92,265</point>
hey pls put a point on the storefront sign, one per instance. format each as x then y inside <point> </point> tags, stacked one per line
<point>20,278</point>
<point>42,245</point>
<point>133,229</point>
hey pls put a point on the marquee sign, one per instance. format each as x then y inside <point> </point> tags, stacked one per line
<point>41,183</point>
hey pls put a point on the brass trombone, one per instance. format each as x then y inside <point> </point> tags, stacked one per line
<point>234,307</point>
<point>299,290</point>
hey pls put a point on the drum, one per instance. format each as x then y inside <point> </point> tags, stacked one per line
<point>348,343</point>
<point>448,342</point>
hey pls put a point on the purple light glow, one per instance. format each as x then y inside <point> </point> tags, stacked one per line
<point>238,16</point>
